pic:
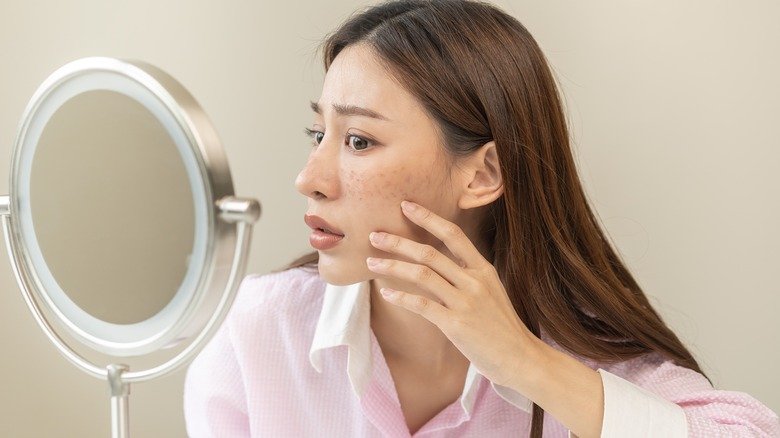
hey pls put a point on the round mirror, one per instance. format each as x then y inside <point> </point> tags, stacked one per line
<point>122,225</point>
<point>114,279</point>
<point>112,233</point>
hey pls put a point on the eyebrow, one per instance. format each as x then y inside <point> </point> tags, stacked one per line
<point>350,110</point>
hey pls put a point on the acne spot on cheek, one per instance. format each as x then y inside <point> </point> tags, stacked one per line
<point>355,183</point>
<point>395,188</point>
<point>384,185</point>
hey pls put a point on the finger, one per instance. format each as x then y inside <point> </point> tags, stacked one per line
<point>420,275</point>
<point>428,309</point>
<point>449,233</point>
<point>422,254</point>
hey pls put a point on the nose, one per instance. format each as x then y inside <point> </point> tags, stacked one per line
<point>319,177</point>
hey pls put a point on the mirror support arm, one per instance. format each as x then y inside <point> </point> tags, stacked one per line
<point>120,392</point>
<point>5,205</point>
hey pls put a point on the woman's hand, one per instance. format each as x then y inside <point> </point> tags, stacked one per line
<point>474,311</point>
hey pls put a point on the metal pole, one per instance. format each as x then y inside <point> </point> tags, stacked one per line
<point>120,395</point>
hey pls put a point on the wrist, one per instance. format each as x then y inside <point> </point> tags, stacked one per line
<point>533,362</point>
<point>563,386</point>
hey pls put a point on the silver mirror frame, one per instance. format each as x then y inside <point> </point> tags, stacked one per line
<point>229,220</point>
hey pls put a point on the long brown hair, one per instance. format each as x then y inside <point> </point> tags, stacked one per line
<point>481,76</point>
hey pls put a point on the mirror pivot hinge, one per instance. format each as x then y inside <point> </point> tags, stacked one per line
<point>235,209</point>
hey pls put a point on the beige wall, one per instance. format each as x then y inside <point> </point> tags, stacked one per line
<point>673,106</point>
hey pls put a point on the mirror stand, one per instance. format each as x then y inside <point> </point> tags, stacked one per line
<point>244,212</point>
<point>120,397</point>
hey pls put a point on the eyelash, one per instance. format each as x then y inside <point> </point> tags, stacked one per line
<point>312,132</point>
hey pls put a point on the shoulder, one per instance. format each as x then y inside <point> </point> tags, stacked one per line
<point>659,374</point>
<point>283,288</point>
<point>277,295</point>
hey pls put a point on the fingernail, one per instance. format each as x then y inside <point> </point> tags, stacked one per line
<point>372,261</point>
<point>376,237</point>
<point>408,206</point>
<point>387,293</point>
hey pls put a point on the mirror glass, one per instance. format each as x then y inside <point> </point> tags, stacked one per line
<point>112,207</point>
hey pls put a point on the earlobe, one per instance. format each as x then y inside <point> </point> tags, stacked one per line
<point>484,183</point>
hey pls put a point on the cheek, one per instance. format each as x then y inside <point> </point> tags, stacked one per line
<point>377,195</point>
<point>381,188</point>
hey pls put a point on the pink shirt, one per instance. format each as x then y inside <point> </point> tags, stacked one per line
<point>296,357</point>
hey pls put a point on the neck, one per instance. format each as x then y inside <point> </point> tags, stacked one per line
<point>406,336</point>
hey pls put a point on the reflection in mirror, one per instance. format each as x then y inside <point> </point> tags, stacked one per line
<point>112,206</point>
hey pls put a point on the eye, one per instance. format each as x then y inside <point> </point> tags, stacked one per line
<point>357,142</point>
<point>315,135</point>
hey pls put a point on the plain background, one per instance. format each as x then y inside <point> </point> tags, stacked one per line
<point>673,105</point>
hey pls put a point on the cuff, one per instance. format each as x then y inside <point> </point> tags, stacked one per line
<point>630,410</point>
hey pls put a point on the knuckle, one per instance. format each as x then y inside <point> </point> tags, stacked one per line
<point>491,271</point>
<point>419,302</point>
<point>395,242</point>
<point>427,253</point>
<point>424,273</point>
<point>453,231</point>
<point>486,271</point>
<point>474,283</point>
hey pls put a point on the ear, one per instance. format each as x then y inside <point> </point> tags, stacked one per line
<point>482,181</point>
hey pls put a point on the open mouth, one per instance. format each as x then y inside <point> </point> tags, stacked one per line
<point>325,230</point>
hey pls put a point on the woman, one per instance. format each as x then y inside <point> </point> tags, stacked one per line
<point>495,301</point>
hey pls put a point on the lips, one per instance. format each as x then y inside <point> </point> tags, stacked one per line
<point>318,223</point>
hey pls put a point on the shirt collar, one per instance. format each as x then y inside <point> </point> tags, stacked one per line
<point>345,320</point>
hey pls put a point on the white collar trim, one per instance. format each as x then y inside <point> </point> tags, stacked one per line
<point>345,320</point>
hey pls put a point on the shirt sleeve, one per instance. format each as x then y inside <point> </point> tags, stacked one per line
<point>650,396</point>
<point>214,397</point>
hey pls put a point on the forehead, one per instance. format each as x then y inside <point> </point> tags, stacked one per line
<point>356,77</point>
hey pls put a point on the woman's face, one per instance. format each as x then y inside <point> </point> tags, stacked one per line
<point>363,167</point>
